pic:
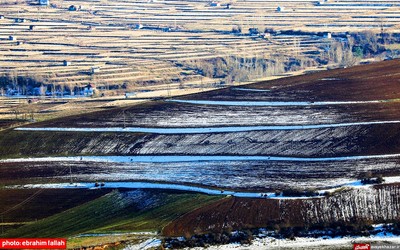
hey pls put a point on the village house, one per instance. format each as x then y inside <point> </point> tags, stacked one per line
<point>215,4</point>
<point>89,90</point>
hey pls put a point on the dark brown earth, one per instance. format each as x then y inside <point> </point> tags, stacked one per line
<point>377,81</point>
<point>34,204</point>
<point>327,142</point>
<point>380,204</point>
<point>259,176</point>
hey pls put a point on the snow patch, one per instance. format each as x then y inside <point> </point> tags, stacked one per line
<point>271,104</point>
<point>210,191</point>
<point>193,158</point>
<point>252,90</point>
<point>148,244</point>
<point>200,130</point>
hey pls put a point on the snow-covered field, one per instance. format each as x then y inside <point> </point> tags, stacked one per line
<point>325,243</point>
<point>236,174</point>
<point>211,191</point>
<point>198,130</point>
<point>191,115</point>
<point>194,158</point>
<point>273,104</point>
<point>380,238</point>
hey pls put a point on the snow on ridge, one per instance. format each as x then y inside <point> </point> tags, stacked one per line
<point>194,158</point>
<point>210,191</point>
<point>272,104</point>
<point>251,89</point>
<point>199,130</point>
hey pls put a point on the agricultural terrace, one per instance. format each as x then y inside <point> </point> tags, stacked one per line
<point>174,44</point>
<point>312,151</point>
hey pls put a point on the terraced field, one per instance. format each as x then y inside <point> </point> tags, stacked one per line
<point>147,43</point>
<point>300,133</point>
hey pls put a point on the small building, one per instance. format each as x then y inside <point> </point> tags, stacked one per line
<point>215,4</point>
<point>66,63</point>
<point>130,94</point>
<point>89,90</point>
<point>228,6</point>
<point>328,35</point>
<point>1,17</point>
<point>12,38</point>
<point>280,9</point>
<point>138,26</point>
<point>31,27</point>
<point>95,70</point>
<point>44,2</point>
<point>20,43</point>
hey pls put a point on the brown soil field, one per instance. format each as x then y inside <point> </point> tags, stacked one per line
<point>365,83</point>
<point>240,213</point>
<point>376,81</point>
<point>322,142</point>
<point>235,175</point>
<point>355,140</point>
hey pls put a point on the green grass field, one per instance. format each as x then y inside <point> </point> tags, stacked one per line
<point>117,211</point>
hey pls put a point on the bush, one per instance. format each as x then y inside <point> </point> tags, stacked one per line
<point>295,192</point>
<point>372,180</point>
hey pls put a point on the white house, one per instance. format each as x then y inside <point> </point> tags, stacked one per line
<point>328,35</point>
<point>95,70</point>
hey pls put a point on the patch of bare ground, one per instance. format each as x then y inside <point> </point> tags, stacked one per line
<point>374,82</point>
<point>321,142</point>
<point>377,204</point>
<point>235,175</point>
<point>161,114</point>
<point>28,205</point>
<point>7,123</point>
<point>377,81</point>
